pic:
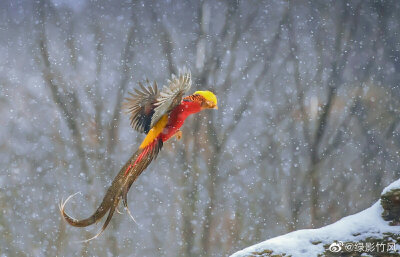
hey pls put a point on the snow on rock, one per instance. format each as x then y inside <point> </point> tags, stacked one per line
<point>365,225</point>
<point>394,185</point>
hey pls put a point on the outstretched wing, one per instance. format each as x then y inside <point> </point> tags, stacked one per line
<point>141,106</point>
<point>171,95</point>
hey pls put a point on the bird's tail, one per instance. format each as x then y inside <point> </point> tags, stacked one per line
<point>118,189</point>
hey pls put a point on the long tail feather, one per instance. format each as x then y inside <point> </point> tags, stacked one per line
<point>97,215</point>
<point>117,191</point>
<point>112,193</point>
<point>110,214</point>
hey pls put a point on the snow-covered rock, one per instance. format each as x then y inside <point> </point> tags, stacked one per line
<point>363,234</point>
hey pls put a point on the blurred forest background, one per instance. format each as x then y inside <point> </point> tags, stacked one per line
<point>307,131</point>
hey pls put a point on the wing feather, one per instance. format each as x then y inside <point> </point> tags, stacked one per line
<point>171,95</point>
<point>141,106</point>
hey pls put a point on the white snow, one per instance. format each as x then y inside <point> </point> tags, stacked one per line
<point>367,223</point>
<point>393,185</point>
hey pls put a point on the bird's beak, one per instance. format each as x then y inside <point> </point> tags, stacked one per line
<point>211,105</point>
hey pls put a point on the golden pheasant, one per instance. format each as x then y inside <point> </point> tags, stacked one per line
<point>160,115</point>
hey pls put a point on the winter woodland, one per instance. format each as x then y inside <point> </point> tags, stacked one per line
<point>307,131</point>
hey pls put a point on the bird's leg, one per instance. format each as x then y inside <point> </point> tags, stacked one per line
<point>178,135</point>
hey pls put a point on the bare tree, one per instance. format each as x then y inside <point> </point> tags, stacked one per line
<point>307,121</point>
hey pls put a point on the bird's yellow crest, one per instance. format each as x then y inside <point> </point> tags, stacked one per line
<point>208,95</point>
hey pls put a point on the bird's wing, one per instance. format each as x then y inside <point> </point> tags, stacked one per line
<point>171,95</point>
<point>141,106</point>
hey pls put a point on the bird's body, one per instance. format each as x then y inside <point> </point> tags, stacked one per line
<point>168,125</point>
<point>160,115</point>
<point>177,117</point>
<point>166,128</point>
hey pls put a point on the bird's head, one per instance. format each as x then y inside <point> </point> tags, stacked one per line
<point>209,100</point>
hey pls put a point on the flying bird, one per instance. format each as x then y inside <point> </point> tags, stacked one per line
<point>158,114</point>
